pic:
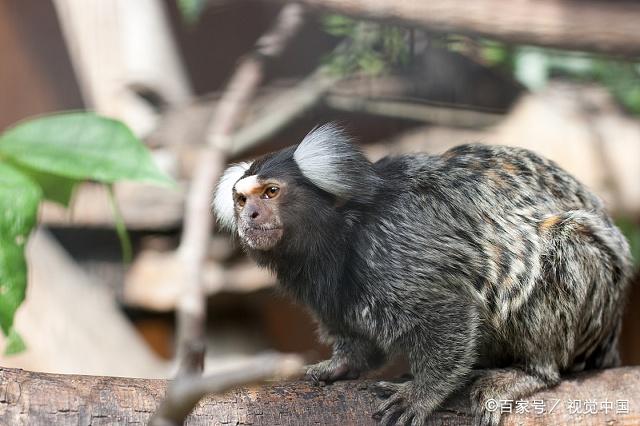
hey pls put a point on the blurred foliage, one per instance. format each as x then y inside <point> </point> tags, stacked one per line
<point>46,158</point>
<point>622,79</point>
<point>631,231</point>
<point>339,25</point>
<point>497,55</point>
<point>373,48</point>
<point>534,66</point>
<point>19,198</point>
<point>191,9</point>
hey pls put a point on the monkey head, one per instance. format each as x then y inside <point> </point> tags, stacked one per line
<point>257,211</point>
<point>284,197</point>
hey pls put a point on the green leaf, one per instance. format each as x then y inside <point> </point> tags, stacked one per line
<point>19,198</point>
<point>81,146</point>
<point>54,188</point>
<point>13,281</point>
<point>15,344</point>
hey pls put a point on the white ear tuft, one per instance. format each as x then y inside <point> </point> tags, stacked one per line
<point>328,159</point>
<point>223,199</point>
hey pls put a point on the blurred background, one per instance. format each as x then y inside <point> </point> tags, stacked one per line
<point>163,66</point>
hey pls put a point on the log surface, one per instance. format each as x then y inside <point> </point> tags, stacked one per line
<point>51,399</point>
<point>590,25</point>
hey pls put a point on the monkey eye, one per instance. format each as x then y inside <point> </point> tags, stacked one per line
<point>271,192</point>
<point>241,200</point>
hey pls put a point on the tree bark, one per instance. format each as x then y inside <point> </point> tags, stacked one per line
<point>50,399</point>
<point>590,25</point>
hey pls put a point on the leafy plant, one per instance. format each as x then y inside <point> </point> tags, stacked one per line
<point>373,48</point>
<point>45,158</point>
<point>533,66</point>
<point>381,47</point>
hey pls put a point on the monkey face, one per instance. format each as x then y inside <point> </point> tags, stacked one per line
<point>256,204</point>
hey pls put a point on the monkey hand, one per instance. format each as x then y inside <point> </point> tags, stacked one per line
<point>405,404</point>
<point>331,370</point>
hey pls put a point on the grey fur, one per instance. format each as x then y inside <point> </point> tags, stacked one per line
<point>485,262</point>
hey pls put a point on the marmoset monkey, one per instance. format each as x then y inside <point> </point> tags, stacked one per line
<point>486,262</point>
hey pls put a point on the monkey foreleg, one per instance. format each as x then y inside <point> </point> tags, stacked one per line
<point>350,358</point>
<point>441,359</point>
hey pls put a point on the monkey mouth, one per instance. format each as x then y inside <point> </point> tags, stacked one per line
<point>265,228</point>
<point>261,237</point>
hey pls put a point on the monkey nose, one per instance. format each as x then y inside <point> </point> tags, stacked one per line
<point>253,212</point>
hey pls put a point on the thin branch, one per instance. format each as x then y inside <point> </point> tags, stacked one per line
<point>184,393</point>
<point>294,102</point>
<point>250,73</point>
<point>198,223</point>
<point>441,115</point>
<point>191,315</point>
<point>286,107</point>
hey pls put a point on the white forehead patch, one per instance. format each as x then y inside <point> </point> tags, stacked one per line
<point>223,205</point>
<point>247,185</point>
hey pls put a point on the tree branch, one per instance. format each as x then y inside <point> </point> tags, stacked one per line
<point>49,399</point>
<point>185,392</point>
<point>250,73</point>
<point>286,107</point>
<point>430,113</point>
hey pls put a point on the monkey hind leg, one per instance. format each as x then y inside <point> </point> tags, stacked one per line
<point>604,354</point>
<point>498,389</point>
<point>587,269</point>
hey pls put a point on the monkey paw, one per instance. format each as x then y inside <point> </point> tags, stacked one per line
<point>331,370</point>
<point>487,411</point>
<point>403,404</point>
<point>486,417</point>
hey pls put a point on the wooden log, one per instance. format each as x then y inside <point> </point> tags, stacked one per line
<point>49,399</point>
<point>590,25</point>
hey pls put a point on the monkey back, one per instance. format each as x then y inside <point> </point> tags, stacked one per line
<point>483,222</point>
